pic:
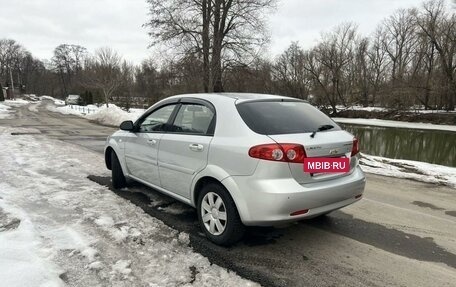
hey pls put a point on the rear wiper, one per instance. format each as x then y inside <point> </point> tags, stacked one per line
<point>322,128</point>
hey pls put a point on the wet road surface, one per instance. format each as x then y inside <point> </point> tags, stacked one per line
<point>402,233</point>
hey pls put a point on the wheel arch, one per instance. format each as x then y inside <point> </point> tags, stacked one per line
<point>107,155</point>
<point>230,185</point>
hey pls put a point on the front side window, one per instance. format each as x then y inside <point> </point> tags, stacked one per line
<point>156,121</point>
<point>193,119</point>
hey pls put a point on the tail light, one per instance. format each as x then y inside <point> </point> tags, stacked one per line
<point>283,152</point>
<point>355,148</point>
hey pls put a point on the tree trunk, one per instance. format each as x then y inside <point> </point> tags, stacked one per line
<point>217,85</point>
<point>206,43</point>
<point>106,96</point>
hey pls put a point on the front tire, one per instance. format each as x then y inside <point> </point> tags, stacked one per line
<point>218,215</point>
<point>118,178</point>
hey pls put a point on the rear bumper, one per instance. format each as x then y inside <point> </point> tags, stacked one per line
<point>267,202</point>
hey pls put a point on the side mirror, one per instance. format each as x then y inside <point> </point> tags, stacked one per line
<point>127,126</point>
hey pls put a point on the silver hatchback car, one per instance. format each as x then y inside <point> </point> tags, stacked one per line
<point>238,158</point>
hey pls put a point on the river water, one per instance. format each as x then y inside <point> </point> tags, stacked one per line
<point>437,147</point>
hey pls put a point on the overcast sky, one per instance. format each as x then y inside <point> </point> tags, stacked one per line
<point>41,25</point>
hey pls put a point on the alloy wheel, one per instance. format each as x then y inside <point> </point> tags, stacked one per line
<point>213,213</point>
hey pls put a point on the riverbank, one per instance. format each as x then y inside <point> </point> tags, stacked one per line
<point>419,116</point>
<point>396,124</point>
<point>409,169</point>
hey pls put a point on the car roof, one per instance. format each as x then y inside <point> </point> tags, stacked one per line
<point>239,97</point>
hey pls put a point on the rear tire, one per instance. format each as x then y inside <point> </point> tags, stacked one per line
<point>118,178</point>
<point>224,216</point>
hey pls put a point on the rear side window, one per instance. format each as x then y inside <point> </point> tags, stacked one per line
<point>193,119</point>
<point>287,117</point>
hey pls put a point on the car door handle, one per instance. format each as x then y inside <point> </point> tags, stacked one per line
<point>196,147</point>
<point>152,142</point>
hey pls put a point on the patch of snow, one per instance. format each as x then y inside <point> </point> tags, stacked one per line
<point>97,265</point>
<point>415,109</point>
<point>122,266</point>
<point>111,116</point>
<point>33,108</point>
<point>16,102</point>
<point>361,108</point>
<point>5,107</point>
<point>57,102</point>
<point>69,238</point>
<point>184,238</point>
<point>395,124</point>
<point>5,112</point>
<point>72,226</point>
<point>23,262</point>
<point>417,170</point>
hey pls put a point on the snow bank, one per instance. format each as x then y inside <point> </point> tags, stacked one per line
<point>110,116</point>
<point>57,102</point>
<point>16,102</point>
<point>416,109</point>
<point>113,115</point>
<point>75,232</point>
<point>421,171</point>
<point>361,108</point>
<point>395,124</point>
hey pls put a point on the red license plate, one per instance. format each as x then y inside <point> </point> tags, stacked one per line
<point>326,164</point>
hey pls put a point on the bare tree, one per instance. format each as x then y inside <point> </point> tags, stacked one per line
<point>11,54</point>
<point>290,73</point>
<point>329,64</point>
<point>215,30</point>
<point>378,63</point>
<point>361,72</point>
<point>68,62</point>
<point>104,73</point>
<point>440,28</point>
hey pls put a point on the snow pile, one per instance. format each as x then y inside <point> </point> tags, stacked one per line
<point>59,228</point>
<point>361,108</point>
<point>57,102</point>
<point>113,115</point>
<point>417,170</point>
<point>110,116</point>
<point>395,124</point>
<point>73,109</point>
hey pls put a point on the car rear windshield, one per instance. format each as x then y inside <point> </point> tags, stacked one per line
<point>283,117</point>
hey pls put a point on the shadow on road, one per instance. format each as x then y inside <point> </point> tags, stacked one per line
<point>262,257</point>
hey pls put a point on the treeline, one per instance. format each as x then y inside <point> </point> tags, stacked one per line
<point>409,60</point>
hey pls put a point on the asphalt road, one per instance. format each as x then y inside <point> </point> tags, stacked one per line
<point>402,233</point>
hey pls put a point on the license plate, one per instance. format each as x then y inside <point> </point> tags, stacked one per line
<point>318,165</point>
